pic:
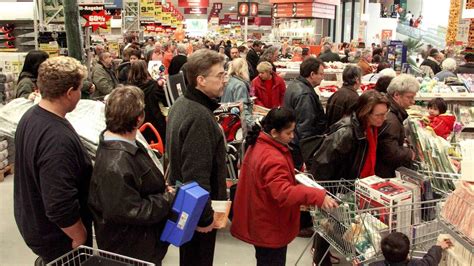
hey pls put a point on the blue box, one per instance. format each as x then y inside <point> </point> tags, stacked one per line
<point>188,206</point>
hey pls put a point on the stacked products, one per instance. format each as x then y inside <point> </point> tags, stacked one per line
<point>459,209</point>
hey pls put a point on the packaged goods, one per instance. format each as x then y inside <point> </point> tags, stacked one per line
<point>425,232</point>
<point>457,255</point>
<point>3,145</point>
<point>3,164</point>
<point>459,209</point>
<point>3,155</point>
<point>388,202</point>
<point>416,199</point>
<point>428,212</point>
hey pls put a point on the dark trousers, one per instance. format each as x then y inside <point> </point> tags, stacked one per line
<point>199,251</point>
<point>270,256</point>
<point>320,246</point>
<point>305,220</point>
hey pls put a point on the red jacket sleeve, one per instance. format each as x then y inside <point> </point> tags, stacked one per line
<point>256,92</point>
<point>442,125</point>
<point>279,182</point>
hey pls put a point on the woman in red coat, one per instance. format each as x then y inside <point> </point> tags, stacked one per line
<point>268,199</point>
<point>268,87</point>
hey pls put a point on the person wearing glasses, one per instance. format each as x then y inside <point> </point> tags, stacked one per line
<point>391,148</point>
<point>301,98</point>
<point>349,151</point>
<point>196,147</point>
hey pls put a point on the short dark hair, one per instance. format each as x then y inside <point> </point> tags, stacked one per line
<point>382,84</point>
<point>433,52</point>
<point>351,75</point>
<point>382,66</point>
<point>395,247</point>
<point>200,62</point>
<point>123,107</point>
<point>377,51</point>
<point>439,104</point>
<point>33,61</point>
<point>257,43</point>
<point>305,51</point>
<point>309,65</point>
<point>136,53</point>
<point>469,57</point>
<point>376,59</point>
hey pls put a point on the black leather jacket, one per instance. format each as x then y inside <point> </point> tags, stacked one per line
<point>342,153</point>
<point>129,202</point>
<point>391,153</point>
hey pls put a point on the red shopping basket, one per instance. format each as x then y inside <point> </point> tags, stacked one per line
<point>156,146</point>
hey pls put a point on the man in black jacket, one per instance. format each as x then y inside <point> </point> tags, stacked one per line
<point>468,67</point>
<point>301,97</point>
<point>433,61</point>
<point>327,55</point>
<point>392,151</point>
<point>178,60</point>
<point>196,147</point>
<point>253,58</point>
<point>343,101</point>
<point>52,167</point>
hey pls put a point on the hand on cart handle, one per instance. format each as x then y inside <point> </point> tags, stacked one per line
<point>445,243</point>
<point>329,203</point>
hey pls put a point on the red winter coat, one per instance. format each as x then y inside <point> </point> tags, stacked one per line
<point>265,98</point>
<point>442,124</point>
<point>267,201</point>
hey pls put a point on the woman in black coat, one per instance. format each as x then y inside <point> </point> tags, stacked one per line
<point>154,95</point>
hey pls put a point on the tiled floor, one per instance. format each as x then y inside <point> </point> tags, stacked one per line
<point>229,251</point>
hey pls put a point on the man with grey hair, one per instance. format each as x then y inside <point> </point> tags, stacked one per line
<point>178,60</point>
<point>364,62</point>
<point>196,147</point>
<point>327,55</point>
<point>391,150</point>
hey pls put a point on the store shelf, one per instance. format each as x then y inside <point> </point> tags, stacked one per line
<point>445,96</point>
<point>460,237</point>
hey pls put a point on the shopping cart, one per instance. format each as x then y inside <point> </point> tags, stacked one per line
<point>356,228</point>
<point>86,256</point>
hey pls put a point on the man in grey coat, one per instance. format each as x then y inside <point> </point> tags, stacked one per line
<point>103,76</point>
<point>196,147</point>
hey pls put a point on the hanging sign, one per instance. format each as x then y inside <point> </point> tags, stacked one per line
<point>217,6</point>
<point>193,3</point>
<point>195,10</point>
<point>147,10</point>
<point>97,20</point>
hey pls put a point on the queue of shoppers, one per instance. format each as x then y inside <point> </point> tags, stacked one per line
<point>58,192</point>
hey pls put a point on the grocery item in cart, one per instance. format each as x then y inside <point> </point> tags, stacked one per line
<point>457,255</point>
<point>459,209</point>
<point>389,202</point>
<point>416,199</point>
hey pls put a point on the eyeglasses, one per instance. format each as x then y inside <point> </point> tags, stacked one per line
<point>221,76</point>
<point>380,115</point>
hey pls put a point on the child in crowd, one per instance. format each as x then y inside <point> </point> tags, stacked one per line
<point>396,246</point>
<point>441,122</point>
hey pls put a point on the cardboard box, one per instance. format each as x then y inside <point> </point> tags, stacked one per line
<point>387,201</point>
<point>415,190</point>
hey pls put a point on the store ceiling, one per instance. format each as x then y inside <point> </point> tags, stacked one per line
<point>228,6</point>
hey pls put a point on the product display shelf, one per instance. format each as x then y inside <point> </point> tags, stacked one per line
<point>460,237</point>
<point>465,96</point>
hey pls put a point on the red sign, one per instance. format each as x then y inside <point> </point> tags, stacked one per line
<point>243,9</point>
<point>97,20</point>
<point>193,3</point>
<point>195,10</point>
<point>253,9</point>
<point>217,6</point>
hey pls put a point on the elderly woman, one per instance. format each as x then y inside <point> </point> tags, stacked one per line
<point>238,87</point>
<point>351,145</point>
<point>128,195</point>
<point>364,62</point>
<point>448,67</point>
<point>391,150</point>
<point>297,54</point>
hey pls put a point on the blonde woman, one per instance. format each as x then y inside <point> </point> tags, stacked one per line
<point>238,86</point>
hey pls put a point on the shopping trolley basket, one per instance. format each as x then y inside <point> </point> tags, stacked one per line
<point>86,256</point>
<point>356,228</point>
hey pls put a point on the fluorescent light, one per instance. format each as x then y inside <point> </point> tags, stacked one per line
<point>231,8</point>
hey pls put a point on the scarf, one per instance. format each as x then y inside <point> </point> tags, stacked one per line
<point>369,166</point>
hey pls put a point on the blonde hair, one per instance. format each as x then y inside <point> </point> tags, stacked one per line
<point>239,68</point>
<point>264,67</point>
<point>58,74</point>
<point>298,50</point>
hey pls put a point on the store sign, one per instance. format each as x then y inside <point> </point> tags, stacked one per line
<point>327,2</point>
<point>113,4</point>
<point>217,6</point>
<point>97,20</point>
<point>147,10</point>
<point>193,3</point>
<point>304,10</point>
<point>246,9</point>
<point>90,2</point>
<point>195,10</point>
<point>324,11</point>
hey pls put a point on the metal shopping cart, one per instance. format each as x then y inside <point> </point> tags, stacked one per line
<point>86,256</point>
<point>357,226</point>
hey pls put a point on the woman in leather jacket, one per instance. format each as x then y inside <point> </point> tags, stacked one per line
<point>349,149</point>
<point>128,195</point>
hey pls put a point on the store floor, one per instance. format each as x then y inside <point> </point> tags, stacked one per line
<point>229,251</point>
